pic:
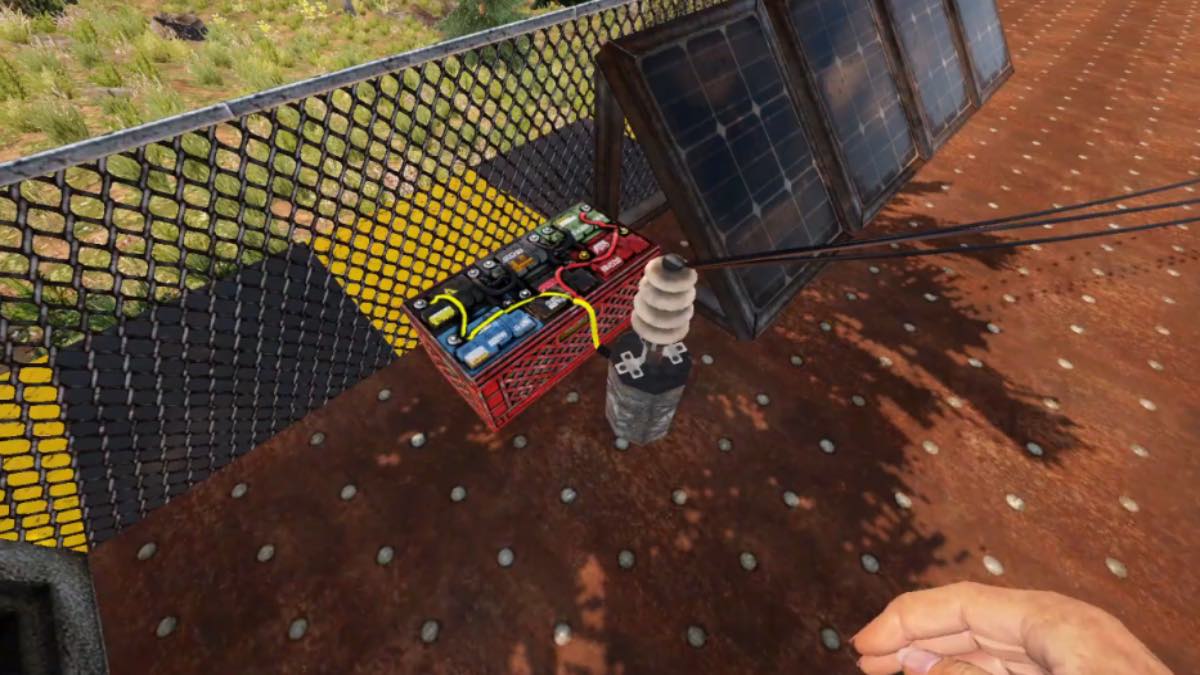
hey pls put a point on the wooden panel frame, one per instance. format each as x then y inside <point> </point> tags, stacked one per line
<point>983,93</point>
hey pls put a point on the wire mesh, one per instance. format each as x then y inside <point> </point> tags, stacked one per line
<point>173,295</point>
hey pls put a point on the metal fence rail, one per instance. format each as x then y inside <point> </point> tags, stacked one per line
<point>172,295</point>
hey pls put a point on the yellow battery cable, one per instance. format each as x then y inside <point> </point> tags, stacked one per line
<point>462,311</point>
<point>591,312</point>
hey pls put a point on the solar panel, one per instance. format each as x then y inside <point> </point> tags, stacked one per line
<point>986,45</point>
<point>856,86</point>
<point>743,174</point>
<point>927,44</point>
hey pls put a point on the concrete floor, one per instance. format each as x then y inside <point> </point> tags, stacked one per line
<point>1022,418</point>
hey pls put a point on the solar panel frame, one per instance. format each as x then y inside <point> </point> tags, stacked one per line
<point>983,90</point>
<point>790,36</point>
<point>729,304</point>
<point>934,140</point>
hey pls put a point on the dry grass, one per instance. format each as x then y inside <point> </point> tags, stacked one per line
<point>104,49</point>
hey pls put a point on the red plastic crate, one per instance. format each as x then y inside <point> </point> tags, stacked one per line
<point>520,377</point>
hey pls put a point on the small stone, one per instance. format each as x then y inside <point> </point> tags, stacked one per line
<point>869,563</point>
<point>417,440</point>
<point>679,497</point>
<point>572,397</point>
<point>1065,364</point>
<point>885,362</point>
<point>696,636</point>
<point>265,553</point>
<point>827,446</point>
<point>858,400</point>
<point>1139,450</point>
<point>166,626</point>
<point>385,555</point>
<point>505,557</point>
<point>1051,404</point>
<point>567,495</point>
<point>1155,365</point>
<point>930,447</point>
<point>797,360</point>
<point>762,399</point>
<point>873,269</point>
<point>903,500</point>
<point>955,402</point>
<point>974,362</point>
<point>993,329</point>
<point>1009,298</point>
<point>348,492</point>
<point>1162,330</point>
<point>298,628</point>
<point>1088,299</point>
<point>626,559</point>
<point>1128,504</point>
<point>791,499</point>
<point>1077,329</point>
<point>239,491</point>
<point>621,443</point>
<point>458,493</point>
<point>930,297</point>
<point>1116,567</point>
<point>993,566</point>
<point>1034,449</point>
<point>826,326</point>
<point>830,639</point>
<point>724,444</point>
<point>147,551</point>
<point>851,296</point>
<point>317,438</point>
<point>748,561</point>
<point>384,394</point>
<point>1015,502</point>
<point>706,359</point>
<point>562,634</point>
<point>1148,404</point>
<point>429,631</point>
<point>910,327</point>
<point>519,441</point>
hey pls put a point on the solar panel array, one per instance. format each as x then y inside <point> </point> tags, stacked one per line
<point>726,107</point>
<point>927,42</point>
<point>856,86</point>
<point>774,124</point>
<point>985,40</point>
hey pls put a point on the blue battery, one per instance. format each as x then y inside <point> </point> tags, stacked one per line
<point>496,338</point>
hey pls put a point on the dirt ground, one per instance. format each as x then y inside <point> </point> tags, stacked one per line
<point>1086,350</point>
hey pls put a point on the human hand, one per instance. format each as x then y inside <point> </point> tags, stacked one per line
<point>974,629</point>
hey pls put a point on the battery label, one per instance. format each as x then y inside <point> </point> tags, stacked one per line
<point>607,267</point>
<point>600,246</point>
<point>441,315</point>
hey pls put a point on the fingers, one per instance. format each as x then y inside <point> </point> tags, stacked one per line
<point>989,611</point>
<point>921,662</point>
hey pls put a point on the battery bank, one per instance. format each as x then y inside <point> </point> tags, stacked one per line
<point>518,356</point>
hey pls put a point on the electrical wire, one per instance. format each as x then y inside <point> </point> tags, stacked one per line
<point>587,307</point>
<point>1008,244</point>
<point>612,247</point>
<point>462,311</point>
<point>994,225</point>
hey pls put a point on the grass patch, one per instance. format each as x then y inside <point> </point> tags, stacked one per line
<point>15,27</point>
<point>160,102</point>
<point>59,120</point>
<point>205,71</point>
<point>12,85</point>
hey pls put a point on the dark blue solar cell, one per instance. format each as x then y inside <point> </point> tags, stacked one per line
<point>745,148</point>
<point>985,39</point>
<point>841,42</point>
<point>924,31</point>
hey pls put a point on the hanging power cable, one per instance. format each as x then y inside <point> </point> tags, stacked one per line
<point>979,227</point>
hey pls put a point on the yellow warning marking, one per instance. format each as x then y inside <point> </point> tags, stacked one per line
<point>381,263</point>
<point>31,509</point>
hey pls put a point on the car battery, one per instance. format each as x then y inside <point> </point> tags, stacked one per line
<point>505,330</point>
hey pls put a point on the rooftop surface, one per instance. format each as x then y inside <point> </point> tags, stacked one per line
<point>1024,418</point>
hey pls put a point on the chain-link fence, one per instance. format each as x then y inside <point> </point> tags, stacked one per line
<point>174,294</point>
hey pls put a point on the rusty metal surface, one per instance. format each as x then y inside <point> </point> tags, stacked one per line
<point>1104,98</point>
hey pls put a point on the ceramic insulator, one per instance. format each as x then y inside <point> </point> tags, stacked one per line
<point>664,304</point>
